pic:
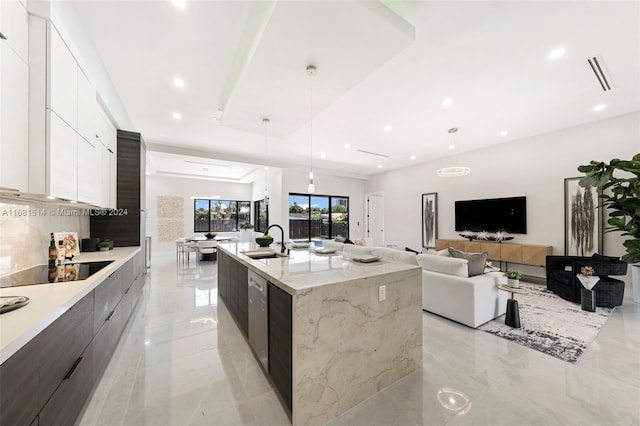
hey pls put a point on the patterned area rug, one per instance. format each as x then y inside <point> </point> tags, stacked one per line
<point>550,324</point>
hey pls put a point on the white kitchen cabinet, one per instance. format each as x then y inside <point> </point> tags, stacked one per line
<point>62,166</point>
<point>14,24</point>
<point>106,172</point>
<point>87,120</point>
<point>14,116</point>
<point>90,188</point>
<point>62,79</point>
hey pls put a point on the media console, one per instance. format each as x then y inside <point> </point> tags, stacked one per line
<point>524,254</point>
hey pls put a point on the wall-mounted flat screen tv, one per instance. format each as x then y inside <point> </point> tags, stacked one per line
<point>492,215</point>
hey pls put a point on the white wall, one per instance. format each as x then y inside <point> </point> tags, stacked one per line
<point>186,188</point>
<point>297,182</point>
<point>534,167</point>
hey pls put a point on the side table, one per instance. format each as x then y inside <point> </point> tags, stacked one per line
<point>512,318</point>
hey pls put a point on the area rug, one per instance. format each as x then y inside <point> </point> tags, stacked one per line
<point>551,324</point>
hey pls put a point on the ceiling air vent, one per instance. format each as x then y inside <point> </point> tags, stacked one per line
<point>372,153</point>
<point>596,64</point>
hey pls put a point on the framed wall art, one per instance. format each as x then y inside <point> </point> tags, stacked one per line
<point>429,219</point>
<point>582,219</point>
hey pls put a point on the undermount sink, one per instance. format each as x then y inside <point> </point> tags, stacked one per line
<point>262,254</point>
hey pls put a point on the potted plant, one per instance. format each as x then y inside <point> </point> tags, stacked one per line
<point>265,240</point>
<point>621,197</point>
<point>513,277</point>
<point>246,231</point>
<point>104,246</point>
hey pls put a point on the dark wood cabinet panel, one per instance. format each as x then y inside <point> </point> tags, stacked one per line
<point>62,343</point>
<point>19,383</point>
<point>223,274</point>
<point>107,296</point>
<point>280,342</point>
<point>126,229</point>
<point>66,403</point>
<point>242,282</point>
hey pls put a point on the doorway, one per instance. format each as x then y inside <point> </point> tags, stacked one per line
<point>375,217</point>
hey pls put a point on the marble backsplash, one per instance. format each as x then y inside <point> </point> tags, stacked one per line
<point>25,230</point>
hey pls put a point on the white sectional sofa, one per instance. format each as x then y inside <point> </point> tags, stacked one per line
<point>448,291</point>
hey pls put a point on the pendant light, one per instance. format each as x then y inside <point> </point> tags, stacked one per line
<point>453,171</point>
<point>266,122</point>
<point>311,71</point>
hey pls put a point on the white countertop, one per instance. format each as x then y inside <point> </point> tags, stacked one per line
<point>49,301</point>
<point>304,269</point>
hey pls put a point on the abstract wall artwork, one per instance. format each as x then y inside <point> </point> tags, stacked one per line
<point>582,220</point>
<point>170,218</point>
<point>429,219</point>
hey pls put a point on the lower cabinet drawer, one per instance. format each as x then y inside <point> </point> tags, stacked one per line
<point>104,343</point>
<point>19,402</point>
<point>67,402</point>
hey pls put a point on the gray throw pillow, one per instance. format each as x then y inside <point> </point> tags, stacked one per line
<point>477,261</point>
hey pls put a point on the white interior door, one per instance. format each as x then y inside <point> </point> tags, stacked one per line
<point>375,218</point>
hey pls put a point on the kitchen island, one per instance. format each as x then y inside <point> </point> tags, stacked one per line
<point>334,338</point>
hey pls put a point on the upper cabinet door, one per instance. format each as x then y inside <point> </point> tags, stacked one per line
<point>87,120</point>
<point>14,117</point>
<point>14,26</point>
<point>62,83</point>
<point>63,159</point>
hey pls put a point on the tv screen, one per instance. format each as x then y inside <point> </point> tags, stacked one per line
<point>492,215</point>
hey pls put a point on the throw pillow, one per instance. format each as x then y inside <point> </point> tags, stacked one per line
<point>348,241</point>
<point>443,252</point>
<point>477,261</point>
<point>340,238</point>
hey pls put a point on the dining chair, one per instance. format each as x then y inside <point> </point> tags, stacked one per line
<point>184,249</point>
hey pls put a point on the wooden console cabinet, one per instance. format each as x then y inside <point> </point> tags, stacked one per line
<point>524,254</point>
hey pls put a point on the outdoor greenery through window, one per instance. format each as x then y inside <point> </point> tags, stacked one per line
<point>261,213</point>
<point>220,215</point>
<point>318,216</point>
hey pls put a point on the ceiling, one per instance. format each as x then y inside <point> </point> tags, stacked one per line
<point>379,64</point>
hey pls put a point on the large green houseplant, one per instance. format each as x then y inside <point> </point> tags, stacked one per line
<point>620,195</point>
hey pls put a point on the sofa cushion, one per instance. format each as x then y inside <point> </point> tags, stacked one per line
<point>351,250</point>
<point>394,255</point>
<point>477,261</point>
<point>444,265</point>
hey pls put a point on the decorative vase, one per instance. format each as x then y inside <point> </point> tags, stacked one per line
<point>245,235</point>
<point>264,242</point>
<point>103,248</point>
<point>513,283</point>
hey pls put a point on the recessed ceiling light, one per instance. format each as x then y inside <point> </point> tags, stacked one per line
<point>347,145</point>
<point>49,197</point>
<point>413,157</point>
<point>504,133</point>
<point>447,102</point>
<point>451,146</point>
<point>599,107</point>
<point>387,128</point>
<point>555,54</point>
<point>73,201</point>
<point>178,82</point>
<point>177,116</point>
<point>323,155</point>
<point>179,3</point>
<point>379,166</point>
<point>266,168</point>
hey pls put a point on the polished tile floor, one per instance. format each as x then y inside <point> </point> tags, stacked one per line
<point>183,361</point>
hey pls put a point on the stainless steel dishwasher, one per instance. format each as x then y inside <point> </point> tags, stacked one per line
<point>259,319</point>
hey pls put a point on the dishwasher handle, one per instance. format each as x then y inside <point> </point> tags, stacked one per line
<point>261,286</point>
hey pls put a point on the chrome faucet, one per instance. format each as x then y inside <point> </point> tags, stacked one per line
<point>281,234</point>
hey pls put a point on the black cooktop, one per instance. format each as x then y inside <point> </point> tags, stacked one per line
<point>42,274</point>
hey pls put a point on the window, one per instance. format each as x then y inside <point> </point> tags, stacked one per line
<point>220,215</point>
<point>318,216</point>
<point>261,213</point>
